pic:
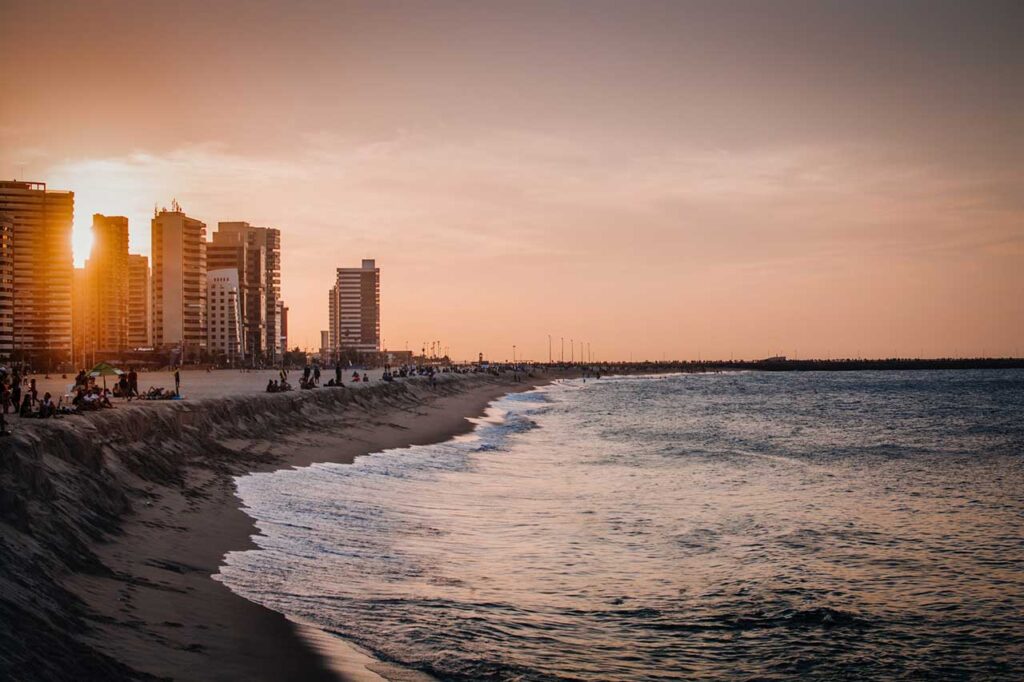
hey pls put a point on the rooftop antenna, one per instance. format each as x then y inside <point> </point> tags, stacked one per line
<point>175,206</point>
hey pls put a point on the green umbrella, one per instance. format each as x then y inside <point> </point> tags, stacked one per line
<point>105,369</point>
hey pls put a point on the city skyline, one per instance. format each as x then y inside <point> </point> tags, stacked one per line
<point>663,179</point>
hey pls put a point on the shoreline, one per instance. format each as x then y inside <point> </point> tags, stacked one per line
<point>142,601</point>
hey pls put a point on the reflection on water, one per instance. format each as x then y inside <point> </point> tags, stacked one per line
<point>701,526</point>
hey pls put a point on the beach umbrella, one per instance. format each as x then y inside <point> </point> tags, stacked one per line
<point>105,369</point>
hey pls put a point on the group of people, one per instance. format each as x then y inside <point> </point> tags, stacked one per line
<point>20,395</point>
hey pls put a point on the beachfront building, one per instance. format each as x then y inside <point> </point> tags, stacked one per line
<point>179,284</point>
<point>325,347</point>
<point>231,248</point>
<point>139,319</point>
<point>284,327</point>
<point>6,287</point>
<point>81,312</point>
<point>106,274</point>
<point>267,240</point>
<point>225,340</point>
<point>40,223</point>
<point>354,310</point>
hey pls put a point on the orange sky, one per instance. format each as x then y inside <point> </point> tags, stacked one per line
<point>658,178</point>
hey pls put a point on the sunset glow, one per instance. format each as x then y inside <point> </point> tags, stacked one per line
<point>661,179</point>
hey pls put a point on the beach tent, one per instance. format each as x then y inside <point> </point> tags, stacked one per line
<point>105,369</point>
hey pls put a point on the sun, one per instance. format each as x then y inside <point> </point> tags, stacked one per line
<point>81,241</point>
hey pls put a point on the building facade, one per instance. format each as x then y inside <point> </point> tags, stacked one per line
<point>81,312</point>
<point>284,328</point>
<point>6,287</point>
<point>106,271</point>
<point>40,220</point>
<point>354,309</point>
<point>267,240</point>
<point>179,284</point>
<point>139,318</point>
<point>231,248</point>
<point>225,340</point>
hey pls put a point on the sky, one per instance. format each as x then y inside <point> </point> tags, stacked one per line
<point>673,180</point>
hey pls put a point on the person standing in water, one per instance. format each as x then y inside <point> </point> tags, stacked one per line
<point>177,383</point>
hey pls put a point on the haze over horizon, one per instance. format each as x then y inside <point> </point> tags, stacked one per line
<point>661,179</point>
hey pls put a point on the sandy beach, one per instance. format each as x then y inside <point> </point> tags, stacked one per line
<point>130,529</point>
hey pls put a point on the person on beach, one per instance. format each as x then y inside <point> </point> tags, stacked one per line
<point>32,391</point>
<point>46,407</point>
<point>316,374</point>
<point>26,406</point>
<point>133,383</point>
<point>337,374</point>
<point>177,383</point>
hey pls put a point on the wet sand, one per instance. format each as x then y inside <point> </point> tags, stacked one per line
<point>159,611</point>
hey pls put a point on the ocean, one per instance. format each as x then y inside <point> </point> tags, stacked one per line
<point>862,525</point>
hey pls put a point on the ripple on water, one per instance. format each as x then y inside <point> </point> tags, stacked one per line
<point>865,525</point>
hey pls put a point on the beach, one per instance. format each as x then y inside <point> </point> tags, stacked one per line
<point>116,521</point>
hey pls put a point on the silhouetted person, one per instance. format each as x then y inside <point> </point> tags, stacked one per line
<point>177,383</point>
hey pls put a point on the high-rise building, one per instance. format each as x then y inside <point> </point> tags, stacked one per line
<point>82,348</point>
<point>284,329</point>
<point>269,240</point>
<point>179,283</point>
<point>224,316</point>
<point>6,287</point>
<point>231,248</point>
<point>354,308</point>
<point>107,284</point>
<point>42,270</point>
<point>325,347</point>
<point>139,319</point>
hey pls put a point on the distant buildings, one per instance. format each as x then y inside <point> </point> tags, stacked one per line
<point>224,316</point>
<point>40,225</point>
<point>6,286</point>
<point>179,283</point>
<point>354,309</point>
<point>283,316</point>
<point>139,319</point>
<point>199,302</point>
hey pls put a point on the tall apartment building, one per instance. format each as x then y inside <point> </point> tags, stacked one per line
<point>224,316</point>
<point>139,319</point>
<point>179,283</point>
<point>269,240</point>
<point>107,285</point>
<point>354,308</point>
<point>82,349</point>
<point>6,287</point>
<point>282,327</point>
<point>233,249</point>
<point>40,221</point>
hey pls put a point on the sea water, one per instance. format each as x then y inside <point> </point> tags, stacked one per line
<point>700,526</point>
